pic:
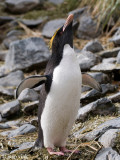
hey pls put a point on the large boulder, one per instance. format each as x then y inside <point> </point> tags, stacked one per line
<point>27,53</point>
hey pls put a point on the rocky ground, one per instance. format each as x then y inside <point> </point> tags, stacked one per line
<point>25,30</point>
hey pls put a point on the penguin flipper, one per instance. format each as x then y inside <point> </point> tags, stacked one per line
<point>90,81</point>
<point>30,82</point>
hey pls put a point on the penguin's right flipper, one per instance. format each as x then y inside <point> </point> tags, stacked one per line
<point>30,82</point>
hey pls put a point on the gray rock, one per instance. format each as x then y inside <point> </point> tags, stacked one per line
<point>12,79</point>
<point>31,107</point>
<point>51,26</point>
<point>2,119</point>
<point>33,22</point>
<point>93,46</point>
<point>116,40</point>
<point>21,6</point>
<point>78,12</point>
<point>12,36</point>
<point>14,123</point>
<point>27,53</point>
<point>10,108</point>
<point>109,53</point>
<point>104,67</point>
<point>4,126</point>
<point>87,60</point>
<point>100,77</point>
<point>56,2</point>
<point>94,94</point>
<point>108,138</point>
<point>118,58</point>
<point>107,154</point>
<point>3,55</point>
<point>87,28</point>
<point>115,97</point>
<point>24,129</point>
<point>7,92</point>
<point>6,19</point>
<point>28,95</point>
<point>23,146</point>
<point>109,60</point>
<point>102,128</point>
<point>102,106</point>
<point>85,88</point>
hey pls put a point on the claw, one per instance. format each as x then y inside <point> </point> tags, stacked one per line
<point>52,152</point>
<point>65,150</point>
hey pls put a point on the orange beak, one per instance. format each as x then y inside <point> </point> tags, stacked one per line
<point>68,21</point>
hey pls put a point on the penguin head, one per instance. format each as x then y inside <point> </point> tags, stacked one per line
<point>62,36</point>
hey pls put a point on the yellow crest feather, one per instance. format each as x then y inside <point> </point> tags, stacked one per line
<point>51,41</point>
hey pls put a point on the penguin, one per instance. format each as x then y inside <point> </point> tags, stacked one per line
<point>60,92</point>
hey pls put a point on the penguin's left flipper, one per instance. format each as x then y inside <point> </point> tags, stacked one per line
<point>30,82</point>
<point>90,81</point>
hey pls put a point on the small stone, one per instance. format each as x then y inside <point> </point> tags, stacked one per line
<point>23,146</point>
<point>27,54</point>
<point>109,53</point>
<point>28,95</point>
<point>104,67</point>
<point>87,60</point>
<point>108,138</point>
<point>115,97</point>
<point>107,154</point>
<point>102,128</point>
<point>93,46</point>
<point>100,77</point>
<point>6,19</point>
<point>116,40</point>
<point>21,6</point>
<point>51,26</point>
<point>109,60</point>
<point>12,79</point>
<point>24,129</point>
<point>87,28</point>
<point>31,107</point>
<point>33,22</point>
<point>10,108</point>
<point>102,106</point>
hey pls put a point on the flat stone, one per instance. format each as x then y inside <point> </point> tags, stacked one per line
<point>51,26</point>
<point>33,22</point>
<point>12,79</point>
<point>27,54</point>
<point>12,36</point>
<point>56,2</point>
<point>87,60</point>
<point>24,146</point>
<point>31,107</point>
<point>21,6</point>
<point>93,46</point>
<point>100,77</point>
<point>6,19</point>
<point>104,67</point>
<point>3,54</point>
<point>104,153</point>
<point>94,94</point>
<point>87,28</point>
<point>108,138</point>
<point>9,92</point>
<point>24,129</point>
<point>10,108</point>
<point>14,123</point>
<point>4,126</point>
<point>28,95</point>
<point>102,128</point>
<point>115,97</point>
<point>109,60</point>
<point>109,53</point>
<point>102,106</point>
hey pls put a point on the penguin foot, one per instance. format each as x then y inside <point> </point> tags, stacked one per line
<point>65,150</point>
<point>52,152</point>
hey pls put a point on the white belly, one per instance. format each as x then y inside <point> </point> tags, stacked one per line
<point>62,102</point>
